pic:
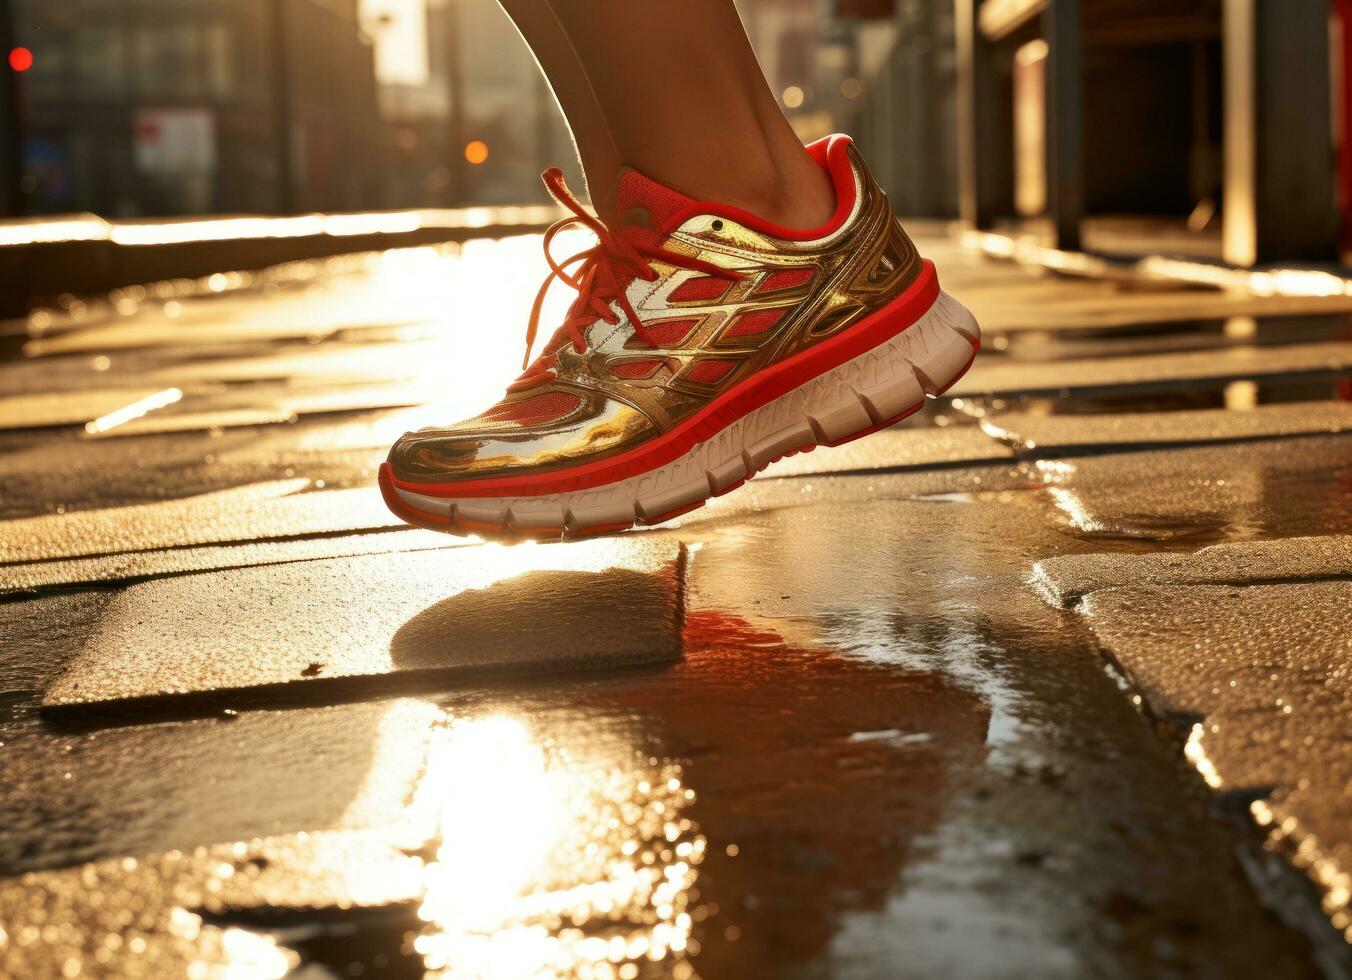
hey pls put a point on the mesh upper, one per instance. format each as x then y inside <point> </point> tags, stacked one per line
<point>785,279</point>
<point>665,333</point>
<point>706,288</point>
<point>754,322</point>
<point>710,371</point>
<point>635,369</point>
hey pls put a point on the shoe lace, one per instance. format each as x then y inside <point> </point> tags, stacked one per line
<point>601,277</point>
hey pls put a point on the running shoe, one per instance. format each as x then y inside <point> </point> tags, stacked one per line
<point>704,344</point>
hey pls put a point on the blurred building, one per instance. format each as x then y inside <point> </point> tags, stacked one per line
<point>1223,121</point>
<point>1215,116</point>
<point>181,106</point>
<point>1216,128</point>
<point>158,107</point>
<point>472,120</point>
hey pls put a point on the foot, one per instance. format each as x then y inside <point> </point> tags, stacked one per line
<point>703,345</point>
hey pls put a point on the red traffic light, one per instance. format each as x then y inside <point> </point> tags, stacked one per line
<point>20,59</point>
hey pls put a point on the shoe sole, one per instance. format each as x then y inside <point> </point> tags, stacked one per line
<point>871,391</point>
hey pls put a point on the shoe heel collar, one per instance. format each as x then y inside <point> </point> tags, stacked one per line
<point>832,154</point>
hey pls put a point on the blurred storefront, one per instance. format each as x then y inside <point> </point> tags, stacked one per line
<point>1213,128</point>
<point>1207,129</point>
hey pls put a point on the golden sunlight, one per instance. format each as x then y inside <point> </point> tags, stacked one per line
<point>549,866</point>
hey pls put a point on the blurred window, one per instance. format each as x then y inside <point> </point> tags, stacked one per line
<point>250,54</point>
<point>220,61</point>
<point>169,59</point>
<point>99,63</point>
<point>45,29</point>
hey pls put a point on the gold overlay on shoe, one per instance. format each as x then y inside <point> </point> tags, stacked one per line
<point>698,350</point>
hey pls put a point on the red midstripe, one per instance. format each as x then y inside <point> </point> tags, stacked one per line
<point>760,389</point>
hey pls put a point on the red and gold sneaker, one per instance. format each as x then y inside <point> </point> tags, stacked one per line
<point>698,351</point>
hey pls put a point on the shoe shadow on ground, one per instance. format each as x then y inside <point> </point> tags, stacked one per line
<point>562,618</point>
<point>406,624</point>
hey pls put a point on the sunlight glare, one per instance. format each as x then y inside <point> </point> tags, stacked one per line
<point>551,867</point>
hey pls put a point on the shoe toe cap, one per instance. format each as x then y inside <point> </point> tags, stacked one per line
<point>415,456</point>
<point>459,453</point>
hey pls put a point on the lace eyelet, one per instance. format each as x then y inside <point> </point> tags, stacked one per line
<point>717,225</point>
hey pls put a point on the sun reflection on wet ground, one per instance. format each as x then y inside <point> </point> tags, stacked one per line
<point>549,868</point>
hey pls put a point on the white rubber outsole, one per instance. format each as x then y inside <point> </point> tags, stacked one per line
<point>869,392</point>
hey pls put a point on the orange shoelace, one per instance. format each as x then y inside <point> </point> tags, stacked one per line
<point>601,278</point>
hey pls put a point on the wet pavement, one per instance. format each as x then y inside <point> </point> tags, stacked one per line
<point>1050,681</point>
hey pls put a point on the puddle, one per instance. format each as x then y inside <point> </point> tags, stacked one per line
<point>1144,527</point>
<point>1177,336</point>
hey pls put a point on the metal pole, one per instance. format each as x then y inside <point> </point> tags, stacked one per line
<point>985,124</point>
<point>455,81</point>
<point>1279,162</point>
<point>969,135</point>
<point>1065,120</point>
<point>12,200</point>
<point>283,107</point>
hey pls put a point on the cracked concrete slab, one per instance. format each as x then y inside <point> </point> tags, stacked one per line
<point>134,565</point>
<point>137,789</point>
<point>388,363</point>
<point>276,509</point>
<point>1261,677</point>
<point>353,622</point>
<point>1027,431</point>
<point>47,409</point>
<point>158,916</point>
<point>1058,304</point>
<point>74,473</point>
<point>508,831</point>
<point>1009,296</point>
<point>1065,579</point>
<point>423,286</point>
<point>1281,487</point>
<point>272,407</point>
<point>219,321</point>
<point>1174,370</point>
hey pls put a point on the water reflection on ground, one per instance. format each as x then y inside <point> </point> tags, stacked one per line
<point>720,816</point>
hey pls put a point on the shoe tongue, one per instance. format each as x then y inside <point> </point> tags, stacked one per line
<point>635,191</point>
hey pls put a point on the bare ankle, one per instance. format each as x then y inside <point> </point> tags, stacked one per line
<point>788,189</point>
<point>798,196</point>
<point>805,202</point>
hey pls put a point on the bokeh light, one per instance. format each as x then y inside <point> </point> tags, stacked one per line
<point>476,151</point>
